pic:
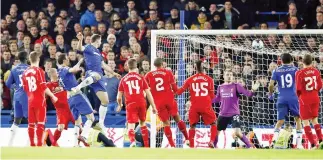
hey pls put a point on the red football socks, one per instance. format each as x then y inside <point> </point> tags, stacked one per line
<point>57,135</point>
<point>182,127</point>
<point>144,133</point>
<point>309,135</point>
<point>168,133</point>
<point>318,132</point>
<point>214,132</point>
<point>39,133</point>
<point>191,137</point>
<point>31,134</point>
<point>131,135</point>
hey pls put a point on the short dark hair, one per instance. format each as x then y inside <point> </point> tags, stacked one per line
<point>132,63</point>
<point>61,58</point>
<point>307,59</point>
<point>198,65</point>
<point>286,58</point>
<point>89,3</point>
<point>22,56</point>
<point>95,37</point>
<point>33,57</point>
<point>158,62</point>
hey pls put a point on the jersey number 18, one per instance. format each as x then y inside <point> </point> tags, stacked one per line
<point>31,83</point>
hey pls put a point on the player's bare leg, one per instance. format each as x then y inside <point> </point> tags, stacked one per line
<point>168,133</point>
<point>31,134</point>
<point>131,134</point>
<point>104,99</point>
<point>278,125</point>
<point>299,133</point>
<point>13,130</point>
<point>318,129</point>
<point>181,126</point>
<point>144,133</point>
<point>308,132</point>
<point>214,134</point>
<point>237,132</point>
<point>40,133</point>
<point>191,135</point>
<point>57,133</point>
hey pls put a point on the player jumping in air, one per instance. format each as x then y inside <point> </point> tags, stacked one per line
<point>78,102</point>
<point>64,115</point>
<point>163,87</point>
<point>35,86</point>
<point>287,98</point>
<point>133,86</point>
<point>201,89</point>
<point>94,73</point>
<point>20,96</point>
<point>308,85</point>
<point>228,96</point>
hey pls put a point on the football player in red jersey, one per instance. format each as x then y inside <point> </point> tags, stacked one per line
<point>34,83</point>
<point>133,86</point>
<point>201,88</point>
<point>308,85</point>
<point>163,86</point>
<point>63,112</point>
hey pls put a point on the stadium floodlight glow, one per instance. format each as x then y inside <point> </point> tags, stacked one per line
<point>250,54</point>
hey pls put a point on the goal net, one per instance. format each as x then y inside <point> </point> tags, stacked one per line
<point>251,55</point>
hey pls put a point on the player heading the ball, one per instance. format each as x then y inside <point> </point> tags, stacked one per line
<point>133,86</point>
<point>163,86</point>
<point>201,88</point>
<point>287,99</point>
<point>308,85</point>
<point>34,83</point>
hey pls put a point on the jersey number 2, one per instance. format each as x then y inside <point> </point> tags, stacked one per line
<point>200,89</point>
<point>309,82</point>
<point>133,85</point>
<point>159,85</point>
<point>31,83</point>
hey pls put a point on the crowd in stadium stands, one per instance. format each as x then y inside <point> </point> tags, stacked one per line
<point>126,32</point>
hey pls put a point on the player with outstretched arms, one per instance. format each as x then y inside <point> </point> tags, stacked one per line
<point>287,98</point>
<point>63,112</point>
<point>228,96</point>
<point>133,86</point>
<point>20,97</point>
<point>308,85</point>
<point>33,80</point>
<point>201,88</point>
<point>78,102</point>
<point>163,86</point>
<point>93,65</point>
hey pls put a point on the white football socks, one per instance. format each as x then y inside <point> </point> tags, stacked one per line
<point>86,128</point>
<point>76,135</point>
<point>299,134</point>
<point>13,131</point>
<point>87,81</point>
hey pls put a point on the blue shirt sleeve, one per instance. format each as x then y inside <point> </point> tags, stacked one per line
<point>274,76</point>
<point>10,80</point>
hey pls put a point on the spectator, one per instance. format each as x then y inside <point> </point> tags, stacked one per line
<point>13,14</point>
<point>20,38</point>
<point>52,50</point>
<point>191,12</point>
<point>112,43</point>
<point>60,45</point>
<point>180,4</point>
<point>102,31</point>
<point>151,22</point>
<point>111,30</point>
<point>77,28</point>
<point>294,23</point>
<point>130,6</point>
<point>87,40</point>
<point>108,11</point>
<point>21,26</point>
<point>105,50</point>
<point>111,56</point>
<point>13,47</point>
<point>160,24</point>
<point>29,22</point>
<point>51,12</point>
<point>145,67</point>
<point>217,22</point>
<point>44,24</point>
<point>247,12</point>
<point>212,11</point>
<point>120,34</point>
<point>263,26</point>
<point>311,45</point>
<point>123,57</point>
<point>27,47</point>
<point>169,26</point>
<point>230,17</point>
<point>88,18</point>
<point>174,16</point>
<point>76,11</point>
<point>111,85</point>
<point>271,41</point>
<point>74,44</point>
<point>47,67</point>
<point>6,62</point>
<point>201,19</point>
<point>72,58</point>
<point>319,21</point>
<point>99,18</point>
<point>282,25</point>
<point>44,38</point>
<point>87,31</point>
<point>177,26</point>
<point>132,21</point>
<point>292,11</point>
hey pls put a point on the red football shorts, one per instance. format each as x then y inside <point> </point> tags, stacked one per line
<point>309,111</point>
<point>64,116</point>
<point>136,111</point>
<point>37,114</point>
<point>166,108</point>
<point>207,114</point>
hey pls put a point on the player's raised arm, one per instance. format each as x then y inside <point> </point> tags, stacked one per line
<point>271,86</point>
<point>244,91</point>
<point>80,43</point>
<point>110,70</point>
<point>76,67</point>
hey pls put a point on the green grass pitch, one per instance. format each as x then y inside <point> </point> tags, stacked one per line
<point>141,153</point>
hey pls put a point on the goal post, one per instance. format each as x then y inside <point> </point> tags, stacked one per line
<point>250,54</point>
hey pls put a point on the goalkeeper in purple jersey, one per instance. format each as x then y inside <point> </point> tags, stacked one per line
<point>228,96</point>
